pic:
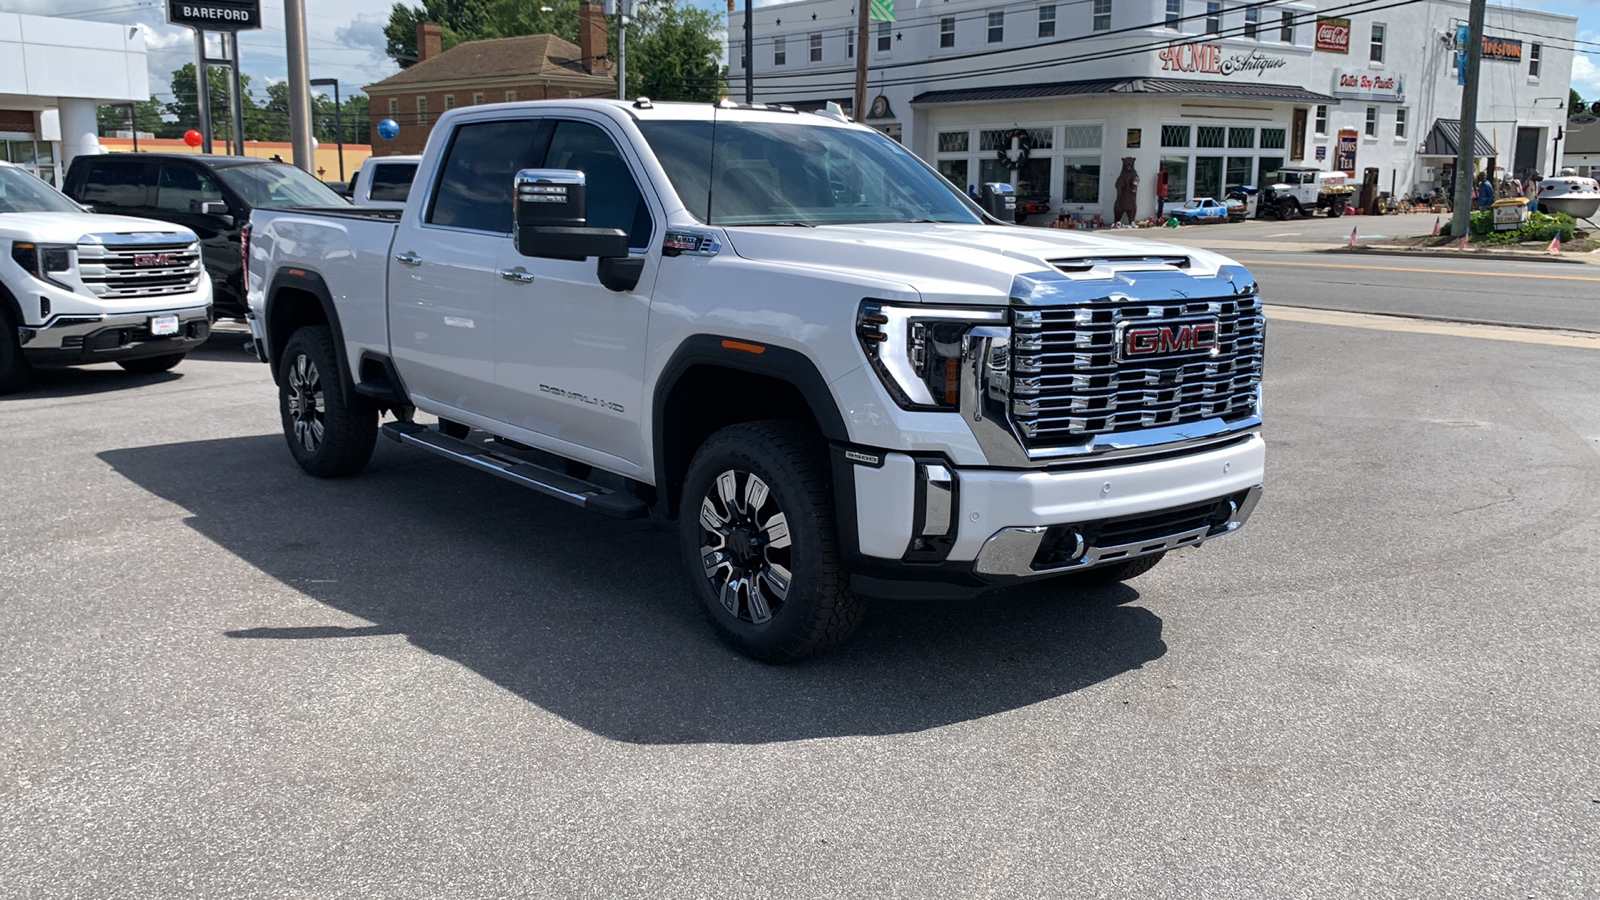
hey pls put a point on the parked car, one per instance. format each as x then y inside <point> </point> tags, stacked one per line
<point>1241,203</point>
<point>212,196</point>
<point>78,288</point>
<point>1200,210</point>
<point>384,181</point>
<point>784,331</point>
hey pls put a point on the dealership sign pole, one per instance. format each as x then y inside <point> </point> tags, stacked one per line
<point>229,17</point>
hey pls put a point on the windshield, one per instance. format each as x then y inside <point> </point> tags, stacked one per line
<point>785,174</point>
<point>21,192</point>
<point>279,186</point>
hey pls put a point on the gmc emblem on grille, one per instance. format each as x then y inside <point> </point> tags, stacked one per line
<point>1141,341</point>
<point>152,260</point>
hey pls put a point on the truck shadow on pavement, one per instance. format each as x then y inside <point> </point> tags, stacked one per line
<point>592,619</point>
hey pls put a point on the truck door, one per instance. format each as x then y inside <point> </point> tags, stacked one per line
<point>444,267</point>
<point>569,352</point>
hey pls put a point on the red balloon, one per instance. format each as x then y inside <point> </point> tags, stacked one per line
<point>192,138</point>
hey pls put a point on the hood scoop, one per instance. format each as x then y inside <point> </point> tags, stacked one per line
<point>1086,265</point>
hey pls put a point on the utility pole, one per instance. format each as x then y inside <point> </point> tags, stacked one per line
<point>622,56</point>
<point>749,52</point>
<point>338,116</point>
<point>861,61</point>
<point>1466,145</point>
<point>294,27</point>
<point>202,97</point>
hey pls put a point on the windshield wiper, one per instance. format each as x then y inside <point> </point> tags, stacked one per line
<point>774,224</point>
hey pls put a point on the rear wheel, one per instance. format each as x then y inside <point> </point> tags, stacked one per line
<point>14,369</point>
<point>1112,574</point>
<point>150,365</point>
<point>759,540</point>
<point>328,437</point>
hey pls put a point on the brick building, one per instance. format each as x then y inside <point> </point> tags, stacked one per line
<point>535,67</point>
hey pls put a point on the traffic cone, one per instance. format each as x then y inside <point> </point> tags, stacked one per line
<point>1463,244</point>
<point>1435,226</point>
<point>1352,237</point>
<point>1555,246</point>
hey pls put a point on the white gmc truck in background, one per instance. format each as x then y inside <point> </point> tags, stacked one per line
<point>786,332</point>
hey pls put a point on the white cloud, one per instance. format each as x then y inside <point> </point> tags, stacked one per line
<point>1586,76</point>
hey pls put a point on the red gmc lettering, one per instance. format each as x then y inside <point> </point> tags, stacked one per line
<point>1165,339</point>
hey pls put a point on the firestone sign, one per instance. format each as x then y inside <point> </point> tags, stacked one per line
<point>1333,35</point>
<point>215,15</point>
<point>1367,85</point>
<point>1207,59</point>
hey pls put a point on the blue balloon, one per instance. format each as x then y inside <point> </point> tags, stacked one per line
<point>388,129</point>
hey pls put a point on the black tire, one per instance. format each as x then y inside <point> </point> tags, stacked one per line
<point>1335,210</point>
<point>740,551</point>
<point>150,365</point>
<point>451,428</point>
<point>1294,211</point>
<point>14,369</point>
<point>328,437</point>
<point>1112,574</point>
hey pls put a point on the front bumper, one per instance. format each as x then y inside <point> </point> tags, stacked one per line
<point>919,521</point>
<point>77,339</point>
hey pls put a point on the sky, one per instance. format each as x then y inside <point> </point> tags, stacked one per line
<point>346,37</point>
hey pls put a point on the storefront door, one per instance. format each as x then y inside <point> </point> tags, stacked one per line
<point>1239,172</point>
<point>1208,177</point>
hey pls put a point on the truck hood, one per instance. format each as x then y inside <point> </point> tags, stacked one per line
<point>969,263</point>
<point>74,227</point>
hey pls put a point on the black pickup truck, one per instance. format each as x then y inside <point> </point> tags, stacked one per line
<point>211,195</point>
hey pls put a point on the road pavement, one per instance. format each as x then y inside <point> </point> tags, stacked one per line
<point>226,679</point>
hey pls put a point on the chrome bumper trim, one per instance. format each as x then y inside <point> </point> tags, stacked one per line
<point>53,334</point>
<point>1009,552</point>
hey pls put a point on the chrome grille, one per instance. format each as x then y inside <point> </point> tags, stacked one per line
<point>139,270</point>
<point>1068,384</point>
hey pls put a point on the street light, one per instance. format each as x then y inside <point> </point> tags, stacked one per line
<point>338,116</point>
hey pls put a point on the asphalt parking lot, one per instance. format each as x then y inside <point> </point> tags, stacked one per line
<point>226,679</point>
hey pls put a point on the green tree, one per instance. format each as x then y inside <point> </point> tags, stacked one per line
<point>147,117</point>
<point>672,54</point>
<point>1574,102</point>
<point>356,116</point>
<point>186,109</point>
<point>460,20</point>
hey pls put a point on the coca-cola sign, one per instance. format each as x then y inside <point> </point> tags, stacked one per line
<point>1333,35</point>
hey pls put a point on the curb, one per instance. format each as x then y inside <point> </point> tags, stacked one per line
<point>1572,259</point>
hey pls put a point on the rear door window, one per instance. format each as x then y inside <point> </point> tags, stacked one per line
<point>182,189</point>
<point>391,182</point>
<point>115,183</point>
<point>474,187</point>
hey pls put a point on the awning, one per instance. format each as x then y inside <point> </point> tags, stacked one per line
<point>1445,140</point>
<point>1179,87</point>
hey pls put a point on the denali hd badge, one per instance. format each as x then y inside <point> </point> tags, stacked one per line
<point>1139,340</point>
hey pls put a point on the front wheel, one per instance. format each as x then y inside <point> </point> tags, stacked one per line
<point>151,365</point>
<point>759,540</point>
<point>328,436</point>
<point>14,369</point>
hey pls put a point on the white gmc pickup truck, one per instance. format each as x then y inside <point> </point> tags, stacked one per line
<point>788,333</point>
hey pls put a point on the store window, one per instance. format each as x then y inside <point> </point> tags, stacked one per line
<point>997,27</point>
<point>850,44</point>
<point>780,51</point>
<point>1375,54</point>
<point>947,31</point>
<point>956,171</point>
<point>1400,116</point>
<point>1102,15</point>
<point>1273,138</point>
<point>1080,180</point>
<point>815,41</point>
<point>1372,121</point>
<point>1047,21</point>
<point>1177,168</point>
<point>1322,120</point>
<point>1267,170</point>
<point>1213,17</point>
<point>954,141</point>
<point>1209,136</point>
<point>1535,54</point>
<point>1174,135</point>
<point>1240,168</point>
<point>1082,137</point>
<point>1175,14</point>
<point>1252,22</point>
<point>1286,28</point>
<point>885,39</point>
<point>1241,138</point>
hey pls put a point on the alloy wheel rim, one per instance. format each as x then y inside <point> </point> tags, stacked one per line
<point>744,546</point>
<point>306,410</point>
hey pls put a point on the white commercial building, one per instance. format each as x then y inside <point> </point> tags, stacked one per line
<point>1062,97</point>
<point>53,73</point>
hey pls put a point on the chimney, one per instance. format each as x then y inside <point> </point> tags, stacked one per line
<point>592,38</point>
<point>430,40</point>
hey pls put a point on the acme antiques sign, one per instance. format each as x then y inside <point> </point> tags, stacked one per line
<point>1207,59</point>
<point>1333,35</point>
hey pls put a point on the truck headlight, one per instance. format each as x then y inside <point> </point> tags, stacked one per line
<point>42,260</point>
<point>916,350</point>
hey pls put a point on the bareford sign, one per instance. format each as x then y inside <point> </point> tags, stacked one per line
<point>215,15</point>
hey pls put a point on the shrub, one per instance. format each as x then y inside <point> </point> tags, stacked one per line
<point>1540,228</point>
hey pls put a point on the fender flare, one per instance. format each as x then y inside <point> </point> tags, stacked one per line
<point>312,283</point>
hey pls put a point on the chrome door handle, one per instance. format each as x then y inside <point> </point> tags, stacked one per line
<point>519,275</point>
<point>408,259</point>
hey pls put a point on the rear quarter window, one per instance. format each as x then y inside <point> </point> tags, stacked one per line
<point>114,183</point>
<point>391,182</point>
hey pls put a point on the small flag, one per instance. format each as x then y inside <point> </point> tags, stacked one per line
<point>1435,226</point>
<point>880,10</point>
<point>1555,246</point>
<point>1463,244</point>
<point>1352,237</point>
